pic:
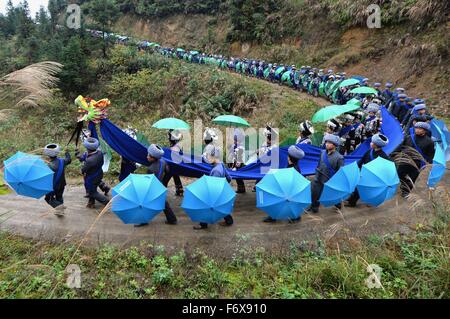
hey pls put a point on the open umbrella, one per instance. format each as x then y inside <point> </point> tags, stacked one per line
<point>364,90</point>
<point>286,77</point>
<point>171,123</point>
<point>354,101</point>
<point>283,193</point>
<point>279,70</point>
<point>194,52</point>
<point>438,169</point>
<point>208,200</point>
<point>348,82</point>
<point>138,199</point>
<point>341,185</point>
<point>180,50</point>
<point>231,120</point>
<point>28,175</point>
<point>266,72</point>
<point>333,111</point>
<point>378,182</point>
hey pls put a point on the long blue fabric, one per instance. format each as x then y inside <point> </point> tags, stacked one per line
<point>136,152</point>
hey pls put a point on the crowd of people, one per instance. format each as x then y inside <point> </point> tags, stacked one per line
<point>343,134</point>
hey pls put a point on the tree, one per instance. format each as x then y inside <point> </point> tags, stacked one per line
<point>75,75</point>
<point>104,13</point>
<point>44,23</point>
<point>11,19</point>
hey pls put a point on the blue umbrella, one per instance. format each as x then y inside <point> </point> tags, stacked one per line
<point>283,194</point>
<point>138,198</point>
<point>341,185</point>
<point>209,199</point>
<point>440,132</point>
<point>438,169</point>
<point>379,181</point>
<point>28,175</point>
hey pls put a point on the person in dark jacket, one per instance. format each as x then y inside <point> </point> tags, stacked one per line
<point>218,170</point>
<point>92,172</point>
<point>295,154</point>
<point>57,165</point>
<point>376,150</point>
<point>330,162</point>
<point>161,170</point>
<point>419,140</point>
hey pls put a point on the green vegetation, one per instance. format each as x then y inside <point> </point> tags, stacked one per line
<point>413,266</point>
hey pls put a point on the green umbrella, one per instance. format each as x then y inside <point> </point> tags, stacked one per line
<point>266,72</point>
<point>231,120</point>
<point>180,50</point>
<point>194,52</point>
<point>354,101</point>
<point>279,70</point>
<point>286,77</point>
<point>364,90</point>
<point>171,123</point>
<point>349,82</point>
<point>333,111</point>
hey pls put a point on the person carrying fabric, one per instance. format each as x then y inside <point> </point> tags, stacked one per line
<point>424,149</point>
<point>329,163</point>
<point>372,122</point>
<point>348,135</point>
<point>57,165</point>
<point>376,150</point>
<point>218,170</point>
<point>161,170</point>
<point>209,137</point>
<point>295,154</point>
<point>92,172</point>
<point>417,114</point>
<point>235,158</point>
<point>175,137</point>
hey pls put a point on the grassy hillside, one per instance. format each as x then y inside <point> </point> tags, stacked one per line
<point>410,50</point>
<point>145,87</point>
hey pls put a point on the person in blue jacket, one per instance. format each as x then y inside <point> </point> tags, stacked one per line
<point>218,170</point>
<point>57,165</point>
<point>92,172</point>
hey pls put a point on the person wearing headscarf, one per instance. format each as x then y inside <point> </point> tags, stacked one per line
<point>235,158</point>
<point>306,130</point>
<point>57,165</point>
<point>330,162</point>
<point>372,122</point>
<point>161,170</point>
<point>378,141</point>
<point>295,154</point>
<point>218,170</point>
<point>92,172</point>
<point>209,138</point>
<point>175,137</point>
<point>409,170</point>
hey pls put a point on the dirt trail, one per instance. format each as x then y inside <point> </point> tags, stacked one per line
<point>32,218</point>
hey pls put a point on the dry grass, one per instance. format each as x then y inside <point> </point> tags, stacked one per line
<point>31,84</point>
